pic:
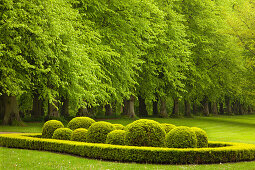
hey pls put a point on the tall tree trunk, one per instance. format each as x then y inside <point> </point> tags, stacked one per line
<point>53,110</point>
<point>125,107</point>
<point>155,107</point>
<point>108,110</point>
<point>228,105</point>
<point>37,109</point>
<point>65,107</point>
<point>187,108</point>
<point>210,106</point>
<point>142,107</point>
<point>1,107</point>
<point>131,105</point>
<point>235,109</point>
<point>11,111</point>
<point>214,108</point>
<point>205,107</point>
<point>175,112</point>
<point>221,108</point>
<point>163,111</point>
<point>241,109</point>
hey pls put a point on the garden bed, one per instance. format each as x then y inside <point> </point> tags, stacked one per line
<point>217,152</point>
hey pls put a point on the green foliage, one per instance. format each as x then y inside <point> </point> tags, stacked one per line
<point>119,126</point>
<point>80,122</point>
<point>202,139</point>
<point>49,127</point>
<point>167,127</point>
<point>97,132</point>
<point>145,132</point>
<point>181,137</point>
<point>116,137</point>
<point>62,134</point>
<point>79,134</point>
<point>220,153</point>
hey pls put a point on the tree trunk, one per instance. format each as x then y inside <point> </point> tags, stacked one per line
<point>108,110</point>
<point>241,109</point>
<point>37,109</point>
<point>125,107</point>
<point>11,111</point>
<point>210,107</point>
<point>1,107</point>
<point>53,110</point>
<point>187,108</point>
<point>65,107</point>
<point>142,107</point>
<point>155,107</point>
<point>214,108</point>
<point>205,107</point>
<point>163,111</point>
<point>175,112</point>
<point>131,107</point>
<point>221,108</point>
<point>235,109</point>
<point>228,105</point>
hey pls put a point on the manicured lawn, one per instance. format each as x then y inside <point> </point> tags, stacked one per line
<point>223,128</point>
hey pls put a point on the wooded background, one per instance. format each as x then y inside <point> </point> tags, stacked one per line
<point>64,58</point>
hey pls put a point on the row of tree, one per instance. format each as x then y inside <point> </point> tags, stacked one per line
<point>61,56</point>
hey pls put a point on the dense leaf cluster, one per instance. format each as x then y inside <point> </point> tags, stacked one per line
<point>97,52</point>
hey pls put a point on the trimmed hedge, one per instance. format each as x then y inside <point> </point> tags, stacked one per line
<point>145,132</point>
<point>62,134</point>
<point>49,127</point>
<point>98,131</point>
<point>80,122</point>
<point>79,134</point>
<point>116,137</point>
<point>167,127</point>
<point>119,126</point>
<point>202,139</point>
<point>231,152</point>
<point>181,137</point>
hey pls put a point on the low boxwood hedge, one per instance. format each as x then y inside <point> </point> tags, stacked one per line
<point>221,151</point>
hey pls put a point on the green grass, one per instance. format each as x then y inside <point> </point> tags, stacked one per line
<point>223,128</point>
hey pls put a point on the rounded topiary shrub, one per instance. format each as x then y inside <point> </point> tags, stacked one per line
<point>116,137</point>
<point>80,122</point>
<point>119,126</point>
<point>167,127</point>
<point>49,127</point>
<point>145,132</point>
<point>62,133</point>
<point>181,137</point>
<point>202,139</point>
<point>79,134</point>
<point>98,131</point>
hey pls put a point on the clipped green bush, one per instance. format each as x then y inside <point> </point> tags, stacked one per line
<point>145,132</point>
<point>62,134</point>
<point>116,137</point>
<point>49,127</point>
<point>79,134</point>
<point>217,152</point>
<point>181,137</point>
<point>80,122</point>
<point>167,127</point>
<point>202,139</point>
<point>97,132</point>
<point>119,126</point>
